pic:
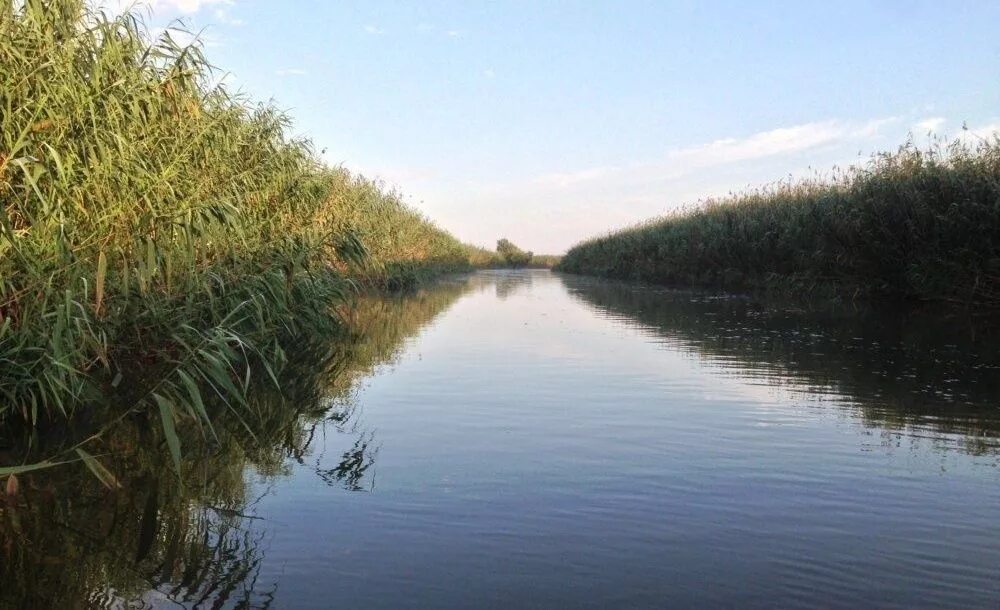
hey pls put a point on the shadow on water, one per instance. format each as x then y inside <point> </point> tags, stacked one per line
<point>918,371</point>
<point>67,541</point>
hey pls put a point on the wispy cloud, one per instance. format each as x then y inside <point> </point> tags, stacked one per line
<point>489,73</point>
<point>761,145</point>
<point>455,33</point>
<point>371,29</point>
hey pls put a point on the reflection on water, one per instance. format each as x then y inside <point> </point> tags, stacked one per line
<point>913,371</point>
<point>552,441</point>
<point>510,284</point>
<point>68,542</point>
<point>354,462</point>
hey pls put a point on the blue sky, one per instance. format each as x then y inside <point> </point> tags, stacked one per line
<point>549,122</point>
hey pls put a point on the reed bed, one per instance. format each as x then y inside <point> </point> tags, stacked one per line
<point>912,224</point>
<point>544,261</point>
<point>161,239</point>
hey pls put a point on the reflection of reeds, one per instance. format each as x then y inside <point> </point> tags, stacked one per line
<point>162,240</point>
<point>893,371</point>
<point>211,560</point>
<point>507,285</point>
<point>67,541</point>
<point>916,224</point>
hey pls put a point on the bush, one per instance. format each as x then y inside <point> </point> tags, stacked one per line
<point>511,254</point>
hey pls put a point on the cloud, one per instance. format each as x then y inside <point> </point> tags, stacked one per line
<point>455,34</point>
<point>371,29</point>
<point>765,144</point>
<point>779,141</point>
<point>489,73</point>
<point>291,72</point>
<point>930,124</point>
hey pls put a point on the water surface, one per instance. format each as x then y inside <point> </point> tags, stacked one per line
<point>531,440</point>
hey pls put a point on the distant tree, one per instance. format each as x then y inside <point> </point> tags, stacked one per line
<point>511,254</point>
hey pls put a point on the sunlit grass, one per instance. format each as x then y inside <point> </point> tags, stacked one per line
<point>161,239</point>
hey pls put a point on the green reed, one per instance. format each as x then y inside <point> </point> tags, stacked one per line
<point>161,239</point>
<point>914,224</point>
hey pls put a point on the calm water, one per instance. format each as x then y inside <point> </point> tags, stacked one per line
<point>531,440</point>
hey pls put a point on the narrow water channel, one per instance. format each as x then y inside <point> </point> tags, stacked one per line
<point>531,440</point>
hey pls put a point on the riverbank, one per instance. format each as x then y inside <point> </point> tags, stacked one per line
<point>527,414</point>
<point>163,241</point>
<point>915,225</point>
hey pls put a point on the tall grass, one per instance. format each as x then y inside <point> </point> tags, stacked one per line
<point>402,245</point>
<point>161,239</point>
<point>544,261</point>
<point>915,224</point>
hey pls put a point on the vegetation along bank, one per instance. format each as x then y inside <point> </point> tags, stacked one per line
<point>162,240</point>
<point>915,224</point>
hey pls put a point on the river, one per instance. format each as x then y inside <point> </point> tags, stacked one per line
<point>524,439</point>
